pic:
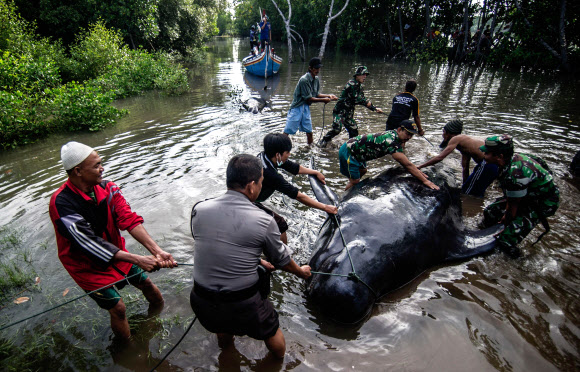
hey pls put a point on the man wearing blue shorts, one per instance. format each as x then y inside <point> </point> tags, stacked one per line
<point>354,153</point>
<point>483,174</point>
<point>306,92</point>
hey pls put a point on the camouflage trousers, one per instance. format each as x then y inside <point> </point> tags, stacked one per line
<point>338,121</point>
<point>527,217</point>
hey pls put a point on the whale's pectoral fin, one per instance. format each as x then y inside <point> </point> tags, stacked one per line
<point>475,243</point>
<point>322,192</point>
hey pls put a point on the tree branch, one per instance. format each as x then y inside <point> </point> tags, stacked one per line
<point>549,48</point>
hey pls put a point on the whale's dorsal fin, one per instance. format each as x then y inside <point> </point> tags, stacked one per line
<point>322,192</point>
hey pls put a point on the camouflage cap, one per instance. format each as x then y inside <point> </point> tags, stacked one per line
<point>409,126</point>
<point>496,144</point>
<point>361,70</point>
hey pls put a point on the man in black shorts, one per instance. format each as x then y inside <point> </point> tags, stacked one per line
<point>405,104</point>
<point>275,155</point>
<point>231,234</point>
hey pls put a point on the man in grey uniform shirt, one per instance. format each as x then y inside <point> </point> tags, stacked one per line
<point>231,234</point>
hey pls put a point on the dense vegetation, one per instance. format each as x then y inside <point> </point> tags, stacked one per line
<point>540,34</point>
<point>63,63</point>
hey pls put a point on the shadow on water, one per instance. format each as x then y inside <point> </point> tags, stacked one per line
<point>487,314</point>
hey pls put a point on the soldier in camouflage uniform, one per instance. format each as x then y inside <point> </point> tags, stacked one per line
<point>530,195</point>
<point>354,153</point>
<point>343,113</point>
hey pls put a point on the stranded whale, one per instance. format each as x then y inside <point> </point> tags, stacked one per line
<point>392,228</point>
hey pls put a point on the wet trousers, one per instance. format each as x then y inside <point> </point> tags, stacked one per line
<point>337,123</point>
<point>527,217</point>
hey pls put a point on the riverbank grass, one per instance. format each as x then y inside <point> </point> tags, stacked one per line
<point>16,271</point>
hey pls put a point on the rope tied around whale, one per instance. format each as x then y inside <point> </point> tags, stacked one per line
<point>352,275</point>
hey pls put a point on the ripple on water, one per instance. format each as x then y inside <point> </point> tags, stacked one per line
<point>491,313</point>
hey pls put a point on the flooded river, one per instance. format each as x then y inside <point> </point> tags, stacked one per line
<point>490,313</point>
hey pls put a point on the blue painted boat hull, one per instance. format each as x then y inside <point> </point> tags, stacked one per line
<point>263,64</point>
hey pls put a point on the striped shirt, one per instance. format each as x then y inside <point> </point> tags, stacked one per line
<point>87,232</point>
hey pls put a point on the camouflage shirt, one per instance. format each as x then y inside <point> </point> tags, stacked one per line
<point>526,176</point>
<point>351,95</point>
<point>373,146</point>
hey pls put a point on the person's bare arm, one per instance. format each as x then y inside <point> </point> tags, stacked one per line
<point>319,175</point>
<point>442,155</point>
<point>419,127</point>
<point>405,162</point>
<point>309,202</point>
<point>318,99</point>
<point>142,236</point>
<point>147,263</point>
<point>300,271</point>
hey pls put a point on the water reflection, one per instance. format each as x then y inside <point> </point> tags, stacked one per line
<point>488,314</point>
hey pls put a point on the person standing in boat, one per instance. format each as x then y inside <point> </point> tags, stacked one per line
<point>307,91</point>
<point>265,32</point>
<point>405,104</point>
<point>343,113</point>
<point>87,213</point>
<point>254,39</point>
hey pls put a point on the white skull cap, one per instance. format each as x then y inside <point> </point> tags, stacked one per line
<point>74,153</point>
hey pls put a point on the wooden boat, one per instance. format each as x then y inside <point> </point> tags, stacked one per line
<point>265,64</point>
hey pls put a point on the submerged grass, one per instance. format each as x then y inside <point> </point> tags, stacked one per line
<point>16,271</point>
<point>78,336</point>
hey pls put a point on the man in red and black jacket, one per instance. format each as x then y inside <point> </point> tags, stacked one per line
<point>88,213</point>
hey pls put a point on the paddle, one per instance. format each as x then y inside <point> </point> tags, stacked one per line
<point>266,67</point>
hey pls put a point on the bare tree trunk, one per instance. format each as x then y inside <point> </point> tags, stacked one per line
<point>301,49</point>
<point>428,19</point>
<point>132,42</point>
<point>563,58</point>
<point>465,27</point>
<point>562,35</point>
<point>287,25</point>
<point>479,23</point>
<point>494,21</point>
<point>390,34</point>
<point>327,26</point>
<point>401,25</point>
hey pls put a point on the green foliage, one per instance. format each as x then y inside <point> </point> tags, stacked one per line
<point>184,25</point>
<point>135,19</point>
<point>224,24</point>
<point>42,90</point>
<point>365,24</point>
<point>22,97</point>
<point>140,71</point>
<point>76,106</point>
<point>430,51</point>
<point>169,25</point>
<point>95,52</point>
<point>23,73</point>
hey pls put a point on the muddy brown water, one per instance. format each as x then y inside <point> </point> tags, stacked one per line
<point>490,313</point>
